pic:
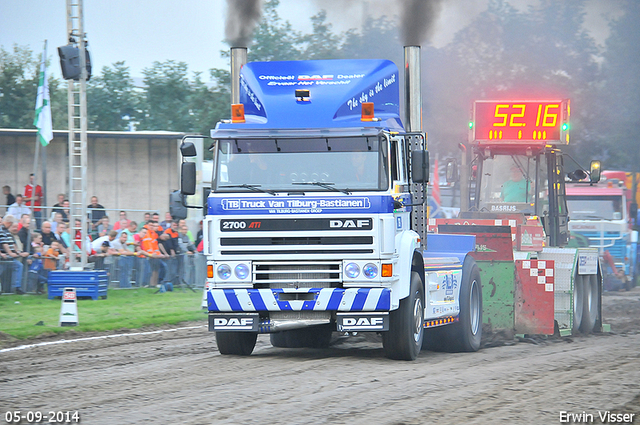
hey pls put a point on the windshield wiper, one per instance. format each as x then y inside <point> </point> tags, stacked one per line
<point>251,187</point>
<point>326,185</point>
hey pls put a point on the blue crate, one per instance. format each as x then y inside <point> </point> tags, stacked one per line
<point>92,283</point>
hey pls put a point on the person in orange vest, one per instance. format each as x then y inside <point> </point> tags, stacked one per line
<point>149,247</point>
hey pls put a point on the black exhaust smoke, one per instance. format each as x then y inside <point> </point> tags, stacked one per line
<point>242,17</point>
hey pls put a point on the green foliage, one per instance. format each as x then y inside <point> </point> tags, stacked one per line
<point>321,43</point>
<point>123,309</point>
<point>274,39</point>
<point>111,100</point>
<point>18,86</point>
<point>19,74</point>
<point>616,114</point>
<point>165,96</point>
<point>543,51</point>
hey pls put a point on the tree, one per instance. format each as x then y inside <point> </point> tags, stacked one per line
<point>19,74</point>
<point>208,105</point>
<point>164,103</point>
<point>273,39</point>
<point>18,85</point>
<point>111,99</point>
<point>615,136</point>
<point>321,43</point>
<point>543,52</point>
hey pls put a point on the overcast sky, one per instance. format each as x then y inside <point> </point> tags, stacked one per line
<point>140,32</point>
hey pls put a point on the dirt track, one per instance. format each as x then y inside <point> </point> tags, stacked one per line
<point>179,377</point>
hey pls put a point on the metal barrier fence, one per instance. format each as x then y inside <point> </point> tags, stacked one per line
<point>123,271</point>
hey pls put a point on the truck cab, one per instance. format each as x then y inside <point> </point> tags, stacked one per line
<point>316,220</point>
<point>599,219</point>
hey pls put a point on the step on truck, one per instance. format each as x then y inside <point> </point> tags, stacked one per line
<point>316,221</point>
<point>513,185</point>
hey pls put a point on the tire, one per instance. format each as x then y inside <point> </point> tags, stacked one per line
<point>464,335</point>
<point>279,339</point>
<point>578,302</point>
<point>237,343</point>
<point>319,336</point>
<point>313,337</point>
<point>591,303</point>
<point>403,340</point>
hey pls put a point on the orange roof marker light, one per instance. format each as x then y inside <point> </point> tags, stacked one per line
<point>367,111</point>
<point>237,113</point>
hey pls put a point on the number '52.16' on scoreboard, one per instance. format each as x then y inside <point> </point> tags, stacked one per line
<point>531,122</point>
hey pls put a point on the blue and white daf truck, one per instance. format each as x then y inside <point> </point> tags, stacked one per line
<point>316,221</point>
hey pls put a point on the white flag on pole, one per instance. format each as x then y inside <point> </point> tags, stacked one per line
<point>43,104</point>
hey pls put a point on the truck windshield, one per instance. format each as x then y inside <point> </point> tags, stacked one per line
<point>508,183</point>
<point>595,207</point>
<point>342,164</point>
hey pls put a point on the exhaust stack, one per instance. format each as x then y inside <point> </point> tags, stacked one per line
<point>412,89</point>
<point>238,59</point>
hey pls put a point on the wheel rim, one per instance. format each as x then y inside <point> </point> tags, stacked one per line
<point>417,318</point>
<point>474,308</point>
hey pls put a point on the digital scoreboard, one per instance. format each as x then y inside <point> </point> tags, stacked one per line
<point>501,122</point>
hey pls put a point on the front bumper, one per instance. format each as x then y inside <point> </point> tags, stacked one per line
<point>303,299</point>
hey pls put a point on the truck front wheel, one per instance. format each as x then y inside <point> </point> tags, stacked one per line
<point>403,340</point>
<point>238,343</point>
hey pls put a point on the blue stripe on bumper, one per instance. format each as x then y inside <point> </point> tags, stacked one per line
<point>336,299</point>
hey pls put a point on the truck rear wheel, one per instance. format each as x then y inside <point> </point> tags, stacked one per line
<point>238,343</point>
<point>591,303</point>
<point>466,333</point>
<point>403,340</point>
<point>578,302</point>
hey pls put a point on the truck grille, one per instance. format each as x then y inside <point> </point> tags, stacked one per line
<point>278,245</point>
<point>609,240</point>
<point>297,274</point>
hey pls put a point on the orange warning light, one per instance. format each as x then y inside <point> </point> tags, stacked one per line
<point>237,113</point>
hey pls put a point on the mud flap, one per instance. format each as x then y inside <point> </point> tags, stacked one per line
<point>234,322</point>
<point>362,322</point>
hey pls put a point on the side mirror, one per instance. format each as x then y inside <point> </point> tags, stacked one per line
<point>177,207</point>
<point>420,166</point>
<point>452,171</point>
<point>595,171</point>
<point>188,150</point>
<point>188,178</point>
<point>577,175</point>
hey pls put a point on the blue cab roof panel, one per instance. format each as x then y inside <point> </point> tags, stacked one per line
<point>336,90</point>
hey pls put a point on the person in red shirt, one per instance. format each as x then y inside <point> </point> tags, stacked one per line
<point>33,193</point>
<point>123,223</point>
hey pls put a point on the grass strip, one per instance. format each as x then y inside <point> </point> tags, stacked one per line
<point>27,316</point>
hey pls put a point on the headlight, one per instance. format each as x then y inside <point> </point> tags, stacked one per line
<point>224,271</point>
<point>352,270</point>
<point>242,271</point>
<point>370,270</point>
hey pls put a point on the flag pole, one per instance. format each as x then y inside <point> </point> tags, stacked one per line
<point>42,121</point>
<point>37,153</point>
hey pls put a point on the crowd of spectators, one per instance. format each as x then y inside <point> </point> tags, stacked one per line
<point>32,243</point>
